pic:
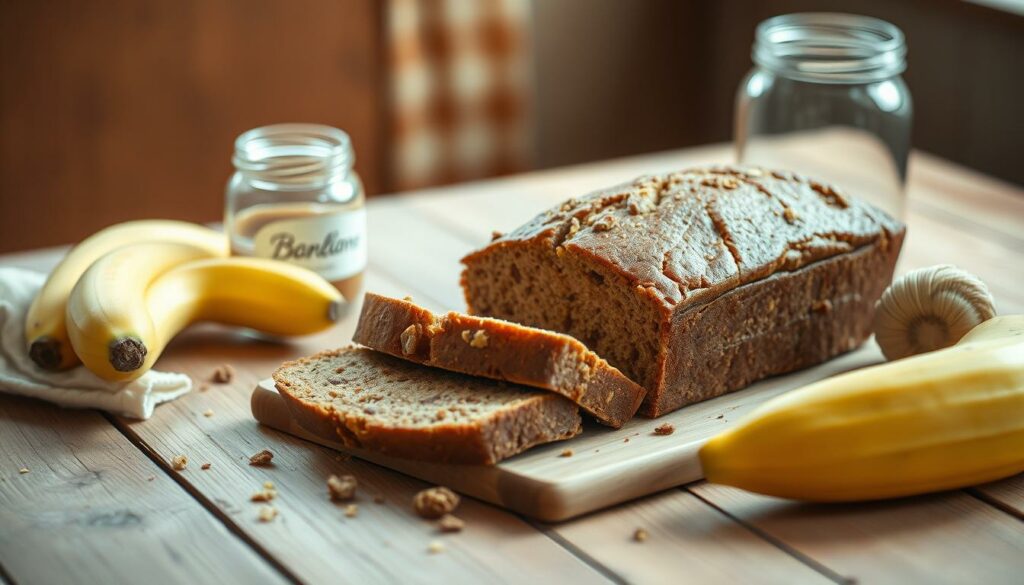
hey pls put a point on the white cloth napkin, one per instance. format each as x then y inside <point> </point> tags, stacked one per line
<point>78,387</point>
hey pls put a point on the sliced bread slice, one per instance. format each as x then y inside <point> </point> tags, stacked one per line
<point>500,350</point>
<point>377,402</point>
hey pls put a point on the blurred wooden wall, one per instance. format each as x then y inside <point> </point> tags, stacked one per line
<point>124,109</point>
<point>121,109</point>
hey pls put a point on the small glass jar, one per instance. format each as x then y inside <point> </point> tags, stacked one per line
<point>295,197</point>
<point>826,89</point>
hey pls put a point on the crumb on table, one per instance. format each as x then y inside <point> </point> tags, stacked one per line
<point>223,374</point>
<point>267,513</point>
<point>435,502</point>
<point>640,535</point>
<point>264,495</point>
<point>23,470</point>
<point>208,412</point>
<point>342,488</point>
<point>435,547</point>
<point>179,462</point>
<point>664,429</point>
<point>264,457</point>
<point>205,466</point>
<point>450,523</point>
<point>351,511</point>
<point>566,453</point>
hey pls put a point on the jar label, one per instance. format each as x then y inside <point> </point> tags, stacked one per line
<point>331,244</point>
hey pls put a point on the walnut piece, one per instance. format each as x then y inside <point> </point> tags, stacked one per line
<point>476,339</point>
<point>223,374</point>
<point>262,458</point>
<point>449,523</point>
<point>664,429</point>
<point>342,488</point>
<point>479,340</point>
<point>410,338</point>
<point>205,466</point>
<point>604,224</point>
<point>435,502</point>
<point>179,462</point>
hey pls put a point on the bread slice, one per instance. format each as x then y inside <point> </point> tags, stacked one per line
<point>377,402</point>
<point>500,350</point>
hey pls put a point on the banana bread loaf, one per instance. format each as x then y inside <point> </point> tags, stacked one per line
<point>381,403</point>
<point>698,282</point>
<point>500,350</point>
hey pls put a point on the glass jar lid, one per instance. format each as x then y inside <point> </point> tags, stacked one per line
<point>830,47</point>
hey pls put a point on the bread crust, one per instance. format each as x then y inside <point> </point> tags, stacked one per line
<point>537,418</point>
<point>502,351</point>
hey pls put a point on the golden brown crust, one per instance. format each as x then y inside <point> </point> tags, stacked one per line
<point>500,350</point>
<point>486,439</point>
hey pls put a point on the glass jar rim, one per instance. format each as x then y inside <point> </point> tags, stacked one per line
<point>294,156</point>
<point>830,47</point>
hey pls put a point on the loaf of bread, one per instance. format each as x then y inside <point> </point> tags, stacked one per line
<point>698,282</point>
<point>500,350</point>
<point>381,403</point>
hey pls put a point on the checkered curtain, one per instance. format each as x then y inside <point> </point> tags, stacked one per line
<point>459,86</point>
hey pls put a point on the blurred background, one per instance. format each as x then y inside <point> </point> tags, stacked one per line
<point>126,109</point>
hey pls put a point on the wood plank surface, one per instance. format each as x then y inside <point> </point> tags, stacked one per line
<point>950,537</point>
<point>415,244</point>
<point>384,542</point>
<point>686,542</point>
<point>91,508</point>
<point>1007,494</point>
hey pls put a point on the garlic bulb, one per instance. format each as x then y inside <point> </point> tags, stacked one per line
<point>928,309</point>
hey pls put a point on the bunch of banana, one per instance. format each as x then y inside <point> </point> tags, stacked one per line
<point>940,420</point>
<point>120,319</point>
<point>115,303</point>
<point>45,328</point>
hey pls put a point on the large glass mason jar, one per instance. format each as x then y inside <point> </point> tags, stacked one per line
<point>295,197</point>
<point>825,98</point>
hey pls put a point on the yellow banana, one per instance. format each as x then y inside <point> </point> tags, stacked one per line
<point>940,420</point>
<point>45,329</point>
<point>107,320</point>
<point>266,295</point>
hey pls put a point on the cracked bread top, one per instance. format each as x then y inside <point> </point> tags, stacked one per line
<point>698,233</point>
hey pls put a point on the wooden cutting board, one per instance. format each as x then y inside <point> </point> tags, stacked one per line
<point>607,466</point>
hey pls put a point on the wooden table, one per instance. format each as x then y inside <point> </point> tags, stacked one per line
<point>101,504</point>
